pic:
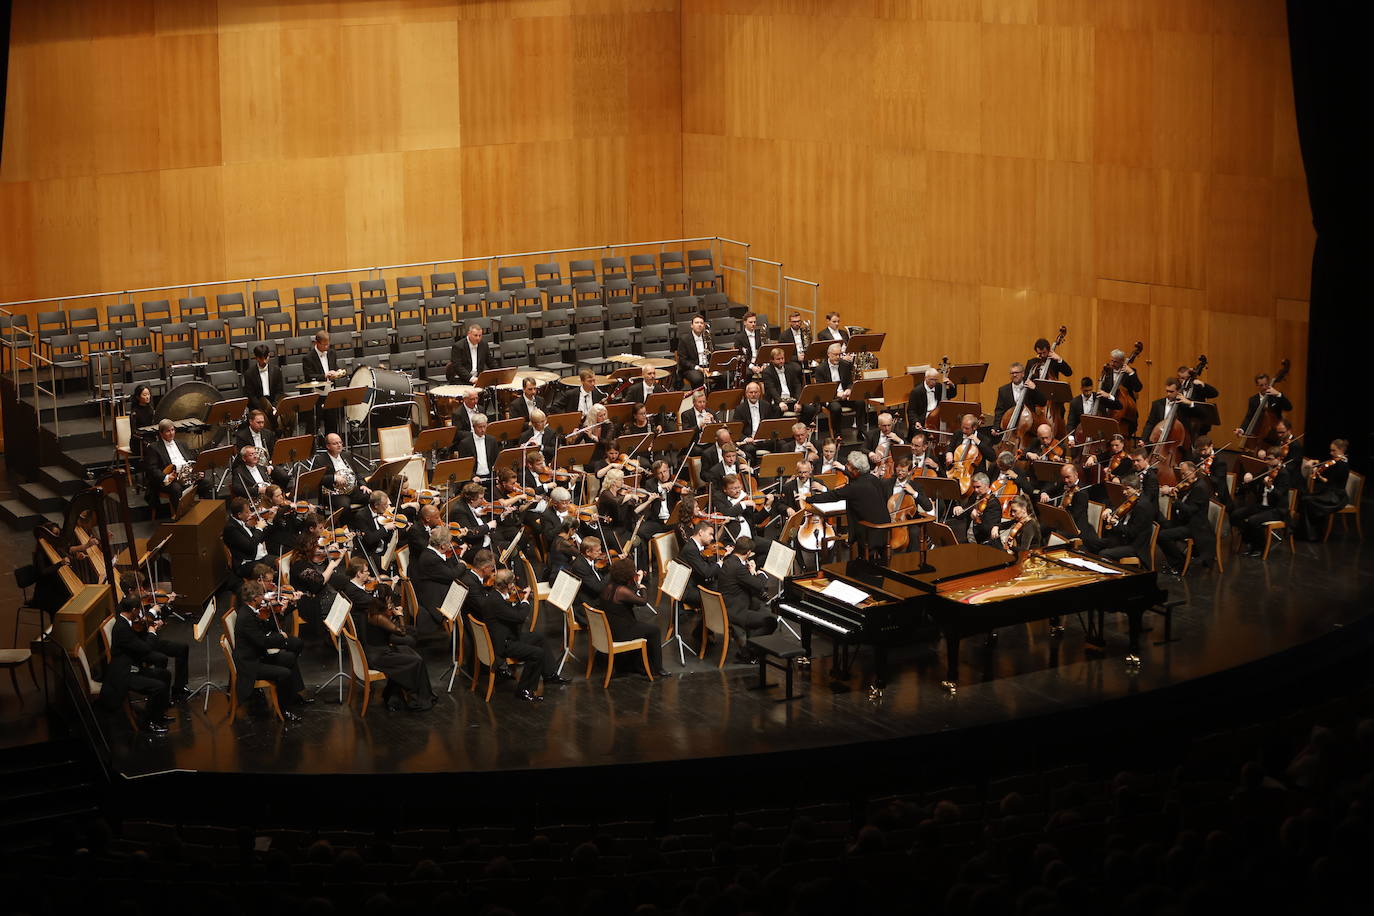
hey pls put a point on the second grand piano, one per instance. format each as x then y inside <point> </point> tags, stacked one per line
<point>960,591</point>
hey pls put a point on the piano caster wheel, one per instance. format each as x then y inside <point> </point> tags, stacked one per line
<point>991,641</point>
<point>950,687</point>
<point>1132,662</point>
<point>1056,632</point>
<point>802,661</point>
<point>875,692</point>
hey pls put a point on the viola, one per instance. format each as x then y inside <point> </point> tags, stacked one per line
<point>384,579</point>
<point>1124,509</point>
<point>397,520</point>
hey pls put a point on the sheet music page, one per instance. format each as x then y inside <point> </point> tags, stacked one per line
<point>843,591</point>
<point>198,632</point>
<point>563,593</point>
<point>337,612</point>
<point>1089,565</point>
<point>453,600</point>
<point>779,562</point>
<point>675,580</point>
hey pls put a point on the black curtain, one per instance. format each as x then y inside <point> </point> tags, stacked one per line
<point>1332,101</point>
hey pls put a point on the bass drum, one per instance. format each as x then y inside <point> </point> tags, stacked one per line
<point>385,387</point>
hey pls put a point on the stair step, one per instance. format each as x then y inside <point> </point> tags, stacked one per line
<point>19,515</point>
<point>40,497</point>
<point>60,479</point>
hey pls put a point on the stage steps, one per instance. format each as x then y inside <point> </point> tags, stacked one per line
<point>43,786</point>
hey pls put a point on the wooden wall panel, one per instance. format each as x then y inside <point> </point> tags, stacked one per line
<point>165,141</point>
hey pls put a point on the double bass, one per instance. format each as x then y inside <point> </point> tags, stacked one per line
<point>1261,425</point>
<point>1128,414</point>
<point>1050,413</point>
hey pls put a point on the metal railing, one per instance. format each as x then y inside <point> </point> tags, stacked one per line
<point>21,355</point>
<point>812,293</point>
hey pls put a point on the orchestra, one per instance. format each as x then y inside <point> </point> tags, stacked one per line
<point>394,545</point>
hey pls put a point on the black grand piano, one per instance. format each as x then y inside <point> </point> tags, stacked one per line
<point>960,590</point>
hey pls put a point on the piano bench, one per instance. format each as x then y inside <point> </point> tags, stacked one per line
<point>780,647</point>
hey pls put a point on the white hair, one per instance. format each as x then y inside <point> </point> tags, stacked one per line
<point>440,537</point>
<point>478,418</point>
<point>561,494</point>
<point>538,415</point>
<point>1118,354</point>
<point>858,461</point>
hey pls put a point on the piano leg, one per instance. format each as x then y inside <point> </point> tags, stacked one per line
<point>1133,618</point>
<point>875,690</point>
<point>951,681</point>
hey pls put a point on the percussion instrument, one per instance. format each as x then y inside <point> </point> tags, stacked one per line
<point>655,362</point>
<point>385,386</point>
<point>446,398</point>
<point>187,405</point>
<point>540,376</point>
<point>628,358</point>
<point>574,381</point>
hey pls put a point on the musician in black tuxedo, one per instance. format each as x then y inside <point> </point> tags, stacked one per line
<point>528,401</point>
<point>469,357</point>
<point>1182,408</point>
<point>505,611</point>
<point>160,454</point>
<point>256,434</point>
<point>795,338</point>
<point>1117,376</point>
<point>1188,520</point>
<point>748,519</point>
<point>1019,384</point>
<point>971,437</point>
<point>320,363</point>
<point>887,431</point>
<point>263,653</point>
<point>744,589</point>
<point>247,542</point>
<point>1068,485</point>
<point>476,525</point>
<point>695,417</point>
<point>837,369</point>
<point>263,384</point>
<point>582,397</point>
<point>132,668</point>
<point>432,571</point>
<point>1128,536</point>
<point>1090,401</point>
<point>971,522</point>
<point>465,410</point>
<point>926,396</point>
<point>752,410</point>
<point>545,439</point>
<point>664,494</point>
<point>753,343</point>
<point>648,384</point>
<point>373,529</point>
<point>479,446</point>
<point>782,381</point>
<point>250,477</point>
<point>864,501</point>
<point>834,329</point>
<point>1328,494</point>
<point>704,569</point>
<point>1266,398</point>
<point>694,353</point>
<point>592,580</point>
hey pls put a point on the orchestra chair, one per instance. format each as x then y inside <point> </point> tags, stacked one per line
<point>226,646</point>
<point>93,686</point>
<point>1154,541</point>
<point>714,619</point>
<point>483,654</point>
<point>1095,510</point>
<point>1354,491</point>
<point>539,591</point>
<point>124,449</point>
<point>1279,528</point>
<point>1216,516</point>
<point>599,632</point>
<point>1166,506</point>
<point>12,659</point>
<point>359,671</point>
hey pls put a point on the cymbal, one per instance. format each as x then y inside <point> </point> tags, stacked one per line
<point>623,358</point>
<point>541,376</point>
<point>572,381</point>
<point>655,362</point>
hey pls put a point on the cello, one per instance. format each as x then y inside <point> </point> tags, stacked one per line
<point>1170,438</point>
<point>1128,414</point>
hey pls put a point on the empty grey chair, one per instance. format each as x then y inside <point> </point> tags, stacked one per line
<point>408,361</point>
<point>377,313</point>
<point>702,282</point>
<point>671,262</point>
<point>375,340</point>
<point>723,328</point>
<point>83,320</point>
<point>176,332</point>
<point>226,381</point>
<point>436,358</point>
<point>308,319</point>
<point>589,318</point>
<point>211,331</point>
<point>514,352</point>
<point>147,367</point>
<point>338,292</point>
<point>657,340</point>
<point>676,285</point>
<point>645,287</point>
<point>510,278</point>
<point>715,305</point>
<point>685,308</point>
<point>700,259</point>
<point>408,311</point>
<point>122,315</point>
<point>341,316</point>
<point>342,341</point>
<point>230,305</point>
<point>655,311</point>
<point>556,322</point>
<point>292,371</point>
<point>621,340</point>
<point>500,303</point>
<point>193,308</point>
<point>587,293</point>
<point>547,354</point>
<point>243,330</point>
<point>266,302</point>
<point>476,281</point>
<point>307,296</point>
<point>410,337</point>
<point>512,327</point>
<point>643,265</point>
<point>295,346</point>
<point>65,352</point>
<point>372,291</point>
<point>438,309</point>
<point>581,271</point>
<point>549,274</point>
<point>439,333</point>
<point>443,283</point>
<point>276,326</point>
<point>558,297</point>
<point>621,315</point>
<point>618,290</point>
<point>589,349</point>
<point>410,288</point>
<point>217,357</point>
<point>613,269</point>
<point>468,304</point>
<point>528,300</point>
<point>136,339</point>
<point>156,313</point>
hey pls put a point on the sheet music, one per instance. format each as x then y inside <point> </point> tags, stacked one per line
<point>198,631</point>
<point>675,580</point>
<point>843,591</point>
<point>453,600</point>
<point>563,593</point>
<point>1088,565</point>
<point>779,562</point>
<point>337,612</point>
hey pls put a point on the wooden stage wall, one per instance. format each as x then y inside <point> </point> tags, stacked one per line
<point>965,174</point>
<point>969,175</point>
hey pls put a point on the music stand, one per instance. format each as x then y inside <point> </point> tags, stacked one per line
<point>1097,428</point>
<point>1258,467</point>
<point>334,623</point>
<point>1205,414</point>
<point>723,401</point>
<point>382,478</point>
<point>227,413</point>
<point>707,434</point>
<point>451,607</point>
<point>776,428</point>
<point>294,405</point>
<point>489,378</point>
<point>664,402</point>
<point>949,413</point>
<point>871,342</point>
<point>968,374</point>
<point>450,471</point>
<point>213,458</point>
<point>295,450</point>
<point>632,443</point>
<point>1115,493</point>
<point>720,362</point>
<point>342,398</point>
<point>865,390</point>
<point>198,631</point>
<point>676,576</point>
<point>436,437</point>
<point>568,455</point>
<point>308,483</point>
<point>620,414</point>
<point>778,464</point>
<point>1055,391</point>
<point>817,349</point>
<point>938,488</point>
<point>564,423</point>
<point>673,442</point>
<point>505,430</point>
<point>1046,471</point>
<point>1054,518</point>
<point>512,457</point>
<point>818,394</point>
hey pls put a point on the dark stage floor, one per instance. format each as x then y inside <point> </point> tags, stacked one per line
<point>1250,612</point>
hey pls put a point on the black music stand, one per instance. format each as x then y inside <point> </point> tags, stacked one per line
<point>1054,390</point>
<point>512,457</point>
<point>937,489</point>
<point>1097,429</point>
<point>722,363</point>
<point>288,452</point>
<point>707,434</point>
<point>818,394</point>
<point>214,458</point>
<point>447,477</point>
<point>968,374</point>
<point>673,442</point>
<point>1046,471</point>
<point>568,455</point>
<point>871,342</point>
<point>294,405</point>
<point>505,430</point>
<point>342,398</point>
<point>778,464</point>
<point>1056,519</point>
<point>865,390</point>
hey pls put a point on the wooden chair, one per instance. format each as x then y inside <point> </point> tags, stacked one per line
<point>714,619</point>
<point>93,686</point>
<point>483,654</point>
<point>599,631</point>
<point>1354,489</point>
<point>266,686</point>
<point>1166,506</point>
<point>1135,561</point>
<point>123,448</point>
<point>539,591</point>
<point>12,659</point>
<point>1216,516</point>
<point>359,671</point>
<point>1279,528</point>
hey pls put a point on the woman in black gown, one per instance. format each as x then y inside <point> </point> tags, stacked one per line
<point>311,570</point>
<point>625,591</point>
<point>390,650</point>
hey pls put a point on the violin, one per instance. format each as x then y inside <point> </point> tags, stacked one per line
<point>1115,515</point>
<point>398,520</point>
<point>716,550</point>
<point>1009,536</point>
<point>1318,470</point>
<point>149,612</point>
<point>303,507</point>
<point>384,579</point>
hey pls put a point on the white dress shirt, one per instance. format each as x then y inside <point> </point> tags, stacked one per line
<point>703,358</point>
<point>175,456</point>
<point>479,444</point>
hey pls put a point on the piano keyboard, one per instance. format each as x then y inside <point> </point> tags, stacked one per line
<point>830,625</point>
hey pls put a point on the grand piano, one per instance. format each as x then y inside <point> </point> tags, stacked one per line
<point>958,591</point>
